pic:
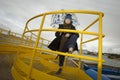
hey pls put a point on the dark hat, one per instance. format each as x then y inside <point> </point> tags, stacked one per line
<point>68,16</point>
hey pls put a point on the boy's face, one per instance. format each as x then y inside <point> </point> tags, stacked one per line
<point>67,21</point>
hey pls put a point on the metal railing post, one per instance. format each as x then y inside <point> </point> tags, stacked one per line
<point>30,40</point>
<point>99,76</point>
<point>81,39</point>
<point>34,51</point>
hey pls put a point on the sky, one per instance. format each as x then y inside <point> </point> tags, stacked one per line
<point>14,14</point>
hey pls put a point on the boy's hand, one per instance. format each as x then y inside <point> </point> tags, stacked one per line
<point>67,35</point>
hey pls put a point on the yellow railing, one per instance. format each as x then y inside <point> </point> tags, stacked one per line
<point>8,32</point>
<point>99,35</point>
<point>13,36</point>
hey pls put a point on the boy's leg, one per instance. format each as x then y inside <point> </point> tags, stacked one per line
<point>70,44</point>
<point>61,61</point>
<point>72,41</point>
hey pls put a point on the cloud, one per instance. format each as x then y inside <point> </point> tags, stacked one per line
<point>14,14</point>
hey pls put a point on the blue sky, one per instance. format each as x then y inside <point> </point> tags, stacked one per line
<point>14,14</point>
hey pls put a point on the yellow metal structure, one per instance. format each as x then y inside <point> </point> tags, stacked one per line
<point>33,62</point>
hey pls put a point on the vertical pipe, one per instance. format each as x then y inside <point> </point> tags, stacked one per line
<point>36,45</point>
<point>99,76</point>
<point>30,40</point>
<point>26,40</point>
<point>23,34</point>
<point>65,61</point>
<point>81,39</point>
<point>41,43</point>
<point>21,40</point>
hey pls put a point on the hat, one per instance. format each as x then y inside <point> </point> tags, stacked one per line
<point>68,16</point>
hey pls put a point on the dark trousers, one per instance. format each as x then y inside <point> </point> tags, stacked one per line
<point>65,44</point>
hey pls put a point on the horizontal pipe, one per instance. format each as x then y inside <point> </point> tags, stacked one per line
<point>26,46</point>
<point>72,31</point>
<point>34,30</point>
<point>65,54</point>
<point>65,30</point>
<point>70,55</point>
<point>65,11</point>
<point>75,11</point>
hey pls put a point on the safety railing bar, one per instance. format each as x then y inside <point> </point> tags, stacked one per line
<point>7,42</point>
<point>26,46</point>
<point>45,39</point>
<point>35,34</point>
<point>34,30</point>
<point>70,55</point>
<point>42,38</point>
<point>63,30</point>
<point>40,15</point>
<point>24,39</point>
<point>74,11</point>
<point>15,34</point>
<point>72,31</point>
<point>61,53</point>
<point>91,39</point>
<point>75,62</point>
<point>99,34</point>
<point>65,11</point>
<point>90,25</point>
<point>4,30</point>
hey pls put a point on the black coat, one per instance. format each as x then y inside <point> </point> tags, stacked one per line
<point>54,45</point>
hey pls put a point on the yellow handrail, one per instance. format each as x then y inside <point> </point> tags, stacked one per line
<point>99,37</point>
<point>91,24</point>
<point>15,35</point>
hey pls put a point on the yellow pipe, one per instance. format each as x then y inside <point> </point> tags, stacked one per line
<point>23,34</point>
<point>34,30</point>
<point>65,30</point>
<point>73,31</point>
<point>34,51</point>
<point>91,24</point>
<point>65,11</point>
<point>65,61</point>
<point>73,11</point>
<point>26,47</point>
<point>30,40</point>
<point>100,35</point>
<point>81,44</point>
<point>92,39</point>
<point>41,44</point>
<point>70,55</point>
<point>79,63</point>
<point>99,76</point>
<point>45,39</point>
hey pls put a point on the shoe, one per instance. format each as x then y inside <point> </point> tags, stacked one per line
<point>59,71</point>
<point>70,50</point>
